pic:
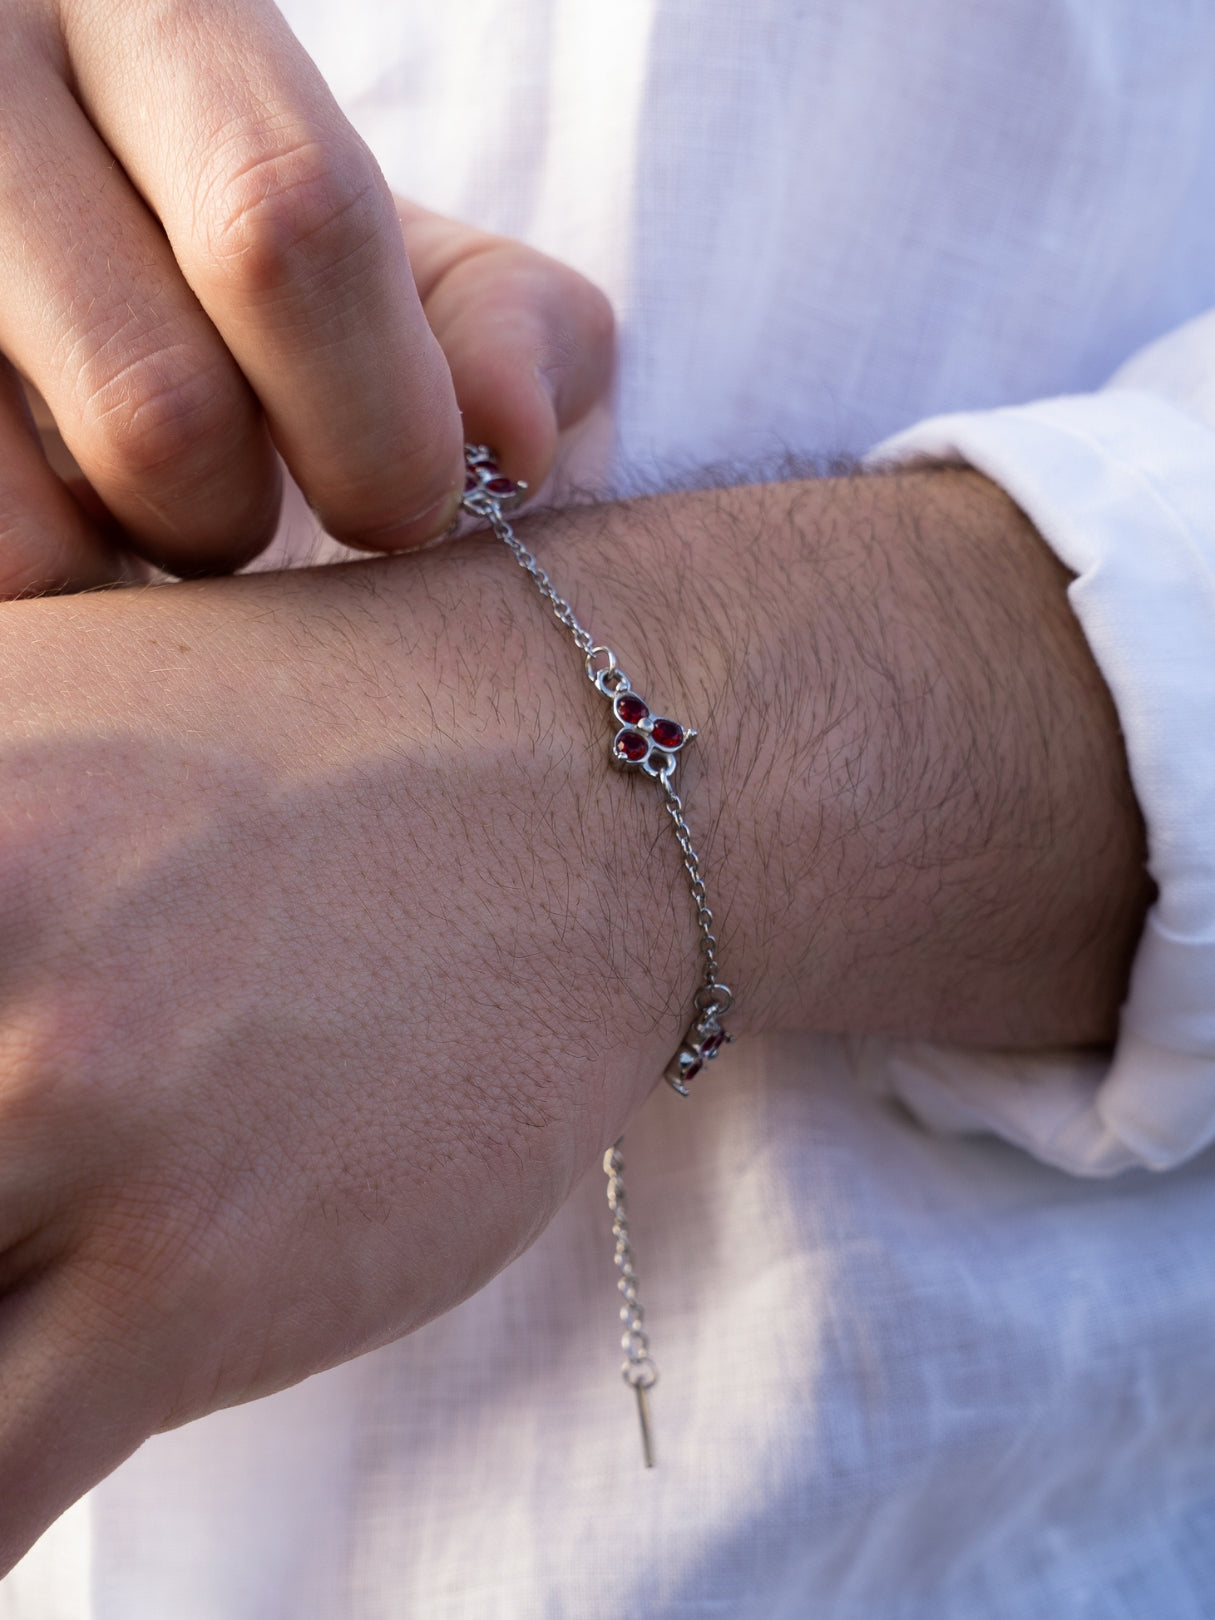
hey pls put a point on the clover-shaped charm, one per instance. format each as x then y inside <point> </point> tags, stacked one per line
<point>645,742</point>
<point>482,475</point>
<point>703,1041</point>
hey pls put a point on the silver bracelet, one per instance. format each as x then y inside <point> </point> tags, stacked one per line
<point>650,743</point>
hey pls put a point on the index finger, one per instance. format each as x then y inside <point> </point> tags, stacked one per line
<point>286,231</point>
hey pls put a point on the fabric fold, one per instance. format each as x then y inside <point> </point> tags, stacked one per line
<point>1121,485</point>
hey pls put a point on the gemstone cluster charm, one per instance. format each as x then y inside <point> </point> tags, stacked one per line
<point>483,476</point>
<point>645,741</point>
<point>703,1041</point>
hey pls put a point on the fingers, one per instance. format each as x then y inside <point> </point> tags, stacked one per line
<point>47,543</point>
<point>529,341</point>
<point>94,312</point>
<point>285,231</point>
<point>278,294</point>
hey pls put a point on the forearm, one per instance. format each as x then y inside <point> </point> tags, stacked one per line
<point>910,780</point>
<point>909,786</point>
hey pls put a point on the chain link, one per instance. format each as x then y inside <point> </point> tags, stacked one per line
<point>700,895</point>
<point>638,1369</point>
<point>482,504</point>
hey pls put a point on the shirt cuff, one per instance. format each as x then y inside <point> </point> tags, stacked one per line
<point>1121,485</point>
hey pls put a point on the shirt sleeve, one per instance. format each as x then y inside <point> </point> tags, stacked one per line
<point>1121,485</point>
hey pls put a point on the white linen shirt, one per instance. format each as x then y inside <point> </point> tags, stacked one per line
<point>907,1371</point>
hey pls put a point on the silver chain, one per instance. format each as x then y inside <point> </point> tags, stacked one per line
<point>638,1371</point>
<point>485,501</point>
<point>709,992</point>
<point>652,744</point>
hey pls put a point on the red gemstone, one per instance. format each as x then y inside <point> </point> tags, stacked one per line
<point>691,1071</point>
<point>500,486</point>
<point>631,709</point>
<point>712,1046</point>
<point>667,733</point>
<point>631,745</point>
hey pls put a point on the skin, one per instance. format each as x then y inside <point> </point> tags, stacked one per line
<point>215,271</point>
<point>334,951</point>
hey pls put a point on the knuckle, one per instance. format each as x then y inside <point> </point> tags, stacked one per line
<point>293,212</point>
<point>153,416</point>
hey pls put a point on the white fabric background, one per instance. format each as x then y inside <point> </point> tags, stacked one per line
<point>1120,482</point>
<point>904,1375</point>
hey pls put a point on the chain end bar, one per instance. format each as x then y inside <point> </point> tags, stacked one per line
<point>643,1417</point>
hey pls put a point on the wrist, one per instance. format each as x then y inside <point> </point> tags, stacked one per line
<point>909,786</point>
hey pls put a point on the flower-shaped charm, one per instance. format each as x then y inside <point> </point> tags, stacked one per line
<point>482,475</point>
<point>700,1045</point>
<point>645,742</point>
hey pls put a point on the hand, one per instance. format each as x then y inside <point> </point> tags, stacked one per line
<point>199,263</point>
<point>333,951</point>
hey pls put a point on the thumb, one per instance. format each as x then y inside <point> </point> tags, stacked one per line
<point>528,340</point>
